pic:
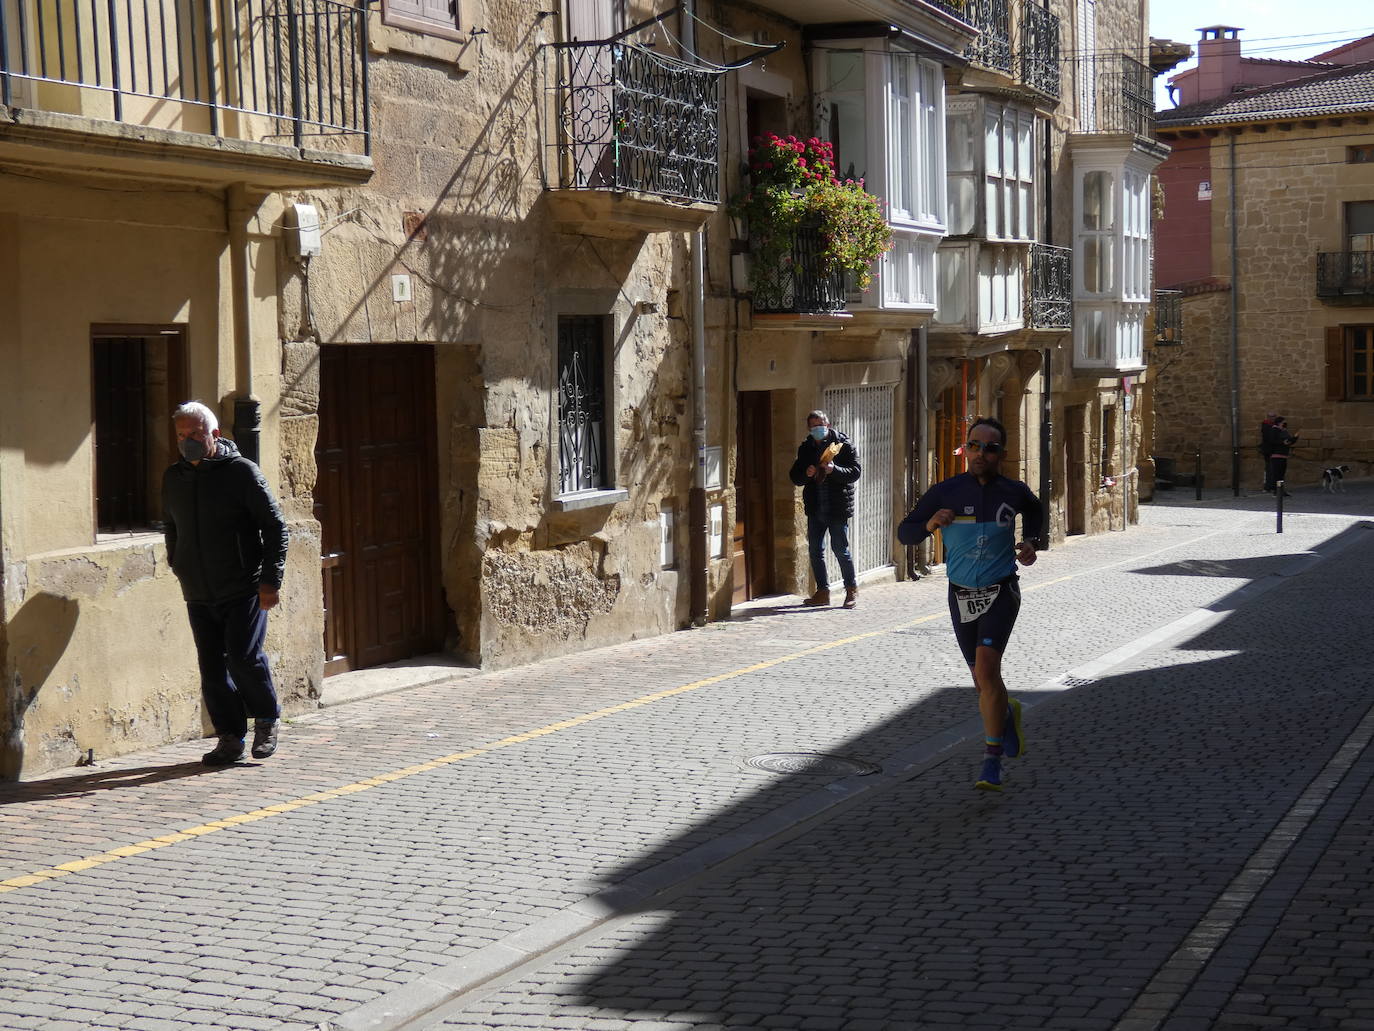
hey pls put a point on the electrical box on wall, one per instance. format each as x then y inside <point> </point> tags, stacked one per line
<point>302,231</point>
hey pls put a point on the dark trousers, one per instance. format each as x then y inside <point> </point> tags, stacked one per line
<point>1275,469</point>
<point>816,529</point>
<point>235,679</point>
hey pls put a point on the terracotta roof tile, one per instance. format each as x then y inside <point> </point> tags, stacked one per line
<point>1339,90</point>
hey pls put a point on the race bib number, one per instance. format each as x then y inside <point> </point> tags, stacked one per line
<point>974,601</point>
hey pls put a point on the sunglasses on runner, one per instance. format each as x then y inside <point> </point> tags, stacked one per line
<point>990,448</point>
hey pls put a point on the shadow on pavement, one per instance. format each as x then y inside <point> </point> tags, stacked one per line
<point>1250,568</point>
<point>104,780</point>
<point>930,905</point>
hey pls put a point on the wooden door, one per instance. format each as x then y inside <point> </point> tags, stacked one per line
<point>376,501</point>
<point>1075,467</point>
<point>753,551</point>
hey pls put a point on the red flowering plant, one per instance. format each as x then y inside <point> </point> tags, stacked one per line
<point>792,185</point>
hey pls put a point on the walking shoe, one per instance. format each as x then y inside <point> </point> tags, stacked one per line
<point>1013,737</point>
<point>229,750</point>
<point>851,597</point>
<point>264,738</point>
<point>821,597</point>
<point>990,779</point>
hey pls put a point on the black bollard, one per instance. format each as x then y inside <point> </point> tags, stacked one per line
<point>1278,498</point>
<point>1197,475</point>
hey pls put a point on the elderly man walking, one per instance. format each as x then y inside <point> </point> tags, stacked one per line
<point>226,542</point>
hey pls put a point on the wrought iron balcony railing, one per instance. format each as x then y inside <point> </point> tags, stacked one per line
<point>796,286</point>
<point>1345,274</point>
<point>958,8</point>
<point>1168,317</point>
<point>197,67</point>
<point>1050,297</point>
<point>630,119</point>
<point>992,19</point>
<point>1038,57</point>
<point>1115,95</point>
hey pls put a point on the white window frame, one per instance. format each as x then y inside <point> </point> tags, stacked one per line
<point>906,165</point>
<point>1087,65</point>
<point>1001,183</point>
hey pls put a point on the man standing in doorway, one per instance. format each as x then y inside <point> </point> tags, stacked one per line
<point>226,542</point>
<point>826,468</point>
<point>977,511</point>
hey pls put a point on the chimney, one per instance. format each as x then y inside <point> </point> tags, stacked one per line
<point>1218,63</point>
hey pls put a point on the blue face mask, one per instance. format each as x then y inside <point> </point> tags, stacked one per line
<point>191,449</point>
<point>819,432</point>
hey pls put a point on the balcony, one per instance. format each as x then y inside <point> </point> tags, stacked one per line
<point>1346,277</point>
<point>992,48</point>
<point>635,140</point>
<point>1050,299</point>
<point>1038,59</point>
<point>1115,95</point>
<point>275,91</point>
<point>796,293</point>
<point>1168,317</point>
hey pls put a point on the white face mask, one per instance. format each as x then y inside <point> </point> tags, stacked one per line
<point>819,432</point>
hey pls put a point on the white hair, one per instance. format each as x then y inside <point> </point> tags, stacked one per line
<point>201,413</point>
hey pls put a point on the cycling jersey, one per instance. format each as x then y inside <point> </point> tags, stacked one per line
<point>980,545</point>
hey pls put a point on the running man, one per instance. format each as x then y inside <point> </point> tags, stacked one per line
<point>977,511</point>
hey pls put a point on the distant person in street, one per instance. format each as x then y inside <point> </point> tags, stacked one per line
<point>226,543</point>
<point>1278,446</point>
<point>826,468</point>
<point>977,511</point>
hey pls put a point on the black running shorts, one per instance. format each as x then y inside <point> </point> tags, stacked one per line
<point>982,620</point>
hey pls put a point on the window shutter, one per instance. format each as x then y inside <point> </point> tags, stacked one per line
<point>442,12</point>
<point>1335,363</point>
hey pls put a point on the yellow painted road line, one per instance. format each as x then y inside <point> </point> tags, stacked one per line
<point>229,822</point>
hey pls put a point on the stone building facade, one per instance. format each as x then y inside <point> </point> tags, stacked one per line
<point>485,320</point>
<point>1282,323</point>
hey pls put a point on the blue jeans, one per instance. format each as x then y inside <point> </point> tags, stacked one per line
<point>235,679</point>
<point>816,529</point>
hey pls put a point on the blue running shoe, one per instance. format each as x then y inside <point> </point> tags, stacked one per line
<point>1013,737</point>
<point>991,777</point>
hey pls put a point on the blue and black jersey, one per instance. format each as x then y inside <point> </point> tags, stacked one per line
<point>980,545</point>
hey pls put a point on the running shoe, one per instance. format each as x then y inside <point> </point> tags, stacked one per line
<point>991,777</point>
<point>1013,737</point>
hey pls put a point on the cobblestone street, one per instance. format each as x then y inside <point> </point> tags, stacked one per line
<point>581,843</point>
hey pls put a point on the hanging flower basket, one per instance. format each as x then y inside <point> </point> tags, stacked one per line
<point>793,187</point>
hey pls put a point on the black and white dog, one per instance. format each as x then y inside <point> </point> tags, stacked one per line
<point>1333,478</point>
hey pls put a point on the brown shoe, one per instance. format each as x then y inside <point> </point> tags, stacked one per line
<point>821,597</point>
<point>851,597</point>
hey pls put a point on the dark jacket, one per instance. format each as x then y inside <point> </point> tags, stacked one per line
<point>225,533</point>
<point>831,497</point>
<point>1279,441</point>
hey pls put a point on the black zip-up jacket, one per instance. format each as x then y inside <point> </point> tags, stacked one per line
<point>832,498</point>
<point>225,532</point>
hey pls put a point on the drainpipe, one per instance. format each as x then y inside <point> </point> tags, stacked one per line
<point>1235,336</point>
<point>247,407</point>
<point>697,526</point>
<point>919,405</point>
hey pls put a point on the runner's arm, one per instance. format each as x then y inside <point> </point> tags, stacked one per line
<point>912,529</point>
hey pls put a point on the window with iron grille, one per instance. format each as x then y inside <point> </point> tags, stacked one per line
<point>137,379</point>
<point>582,404</point>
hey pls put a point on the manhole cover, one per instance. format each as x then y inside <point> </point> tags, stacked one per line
<point>814,763</point>
<point>1079,681</point>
